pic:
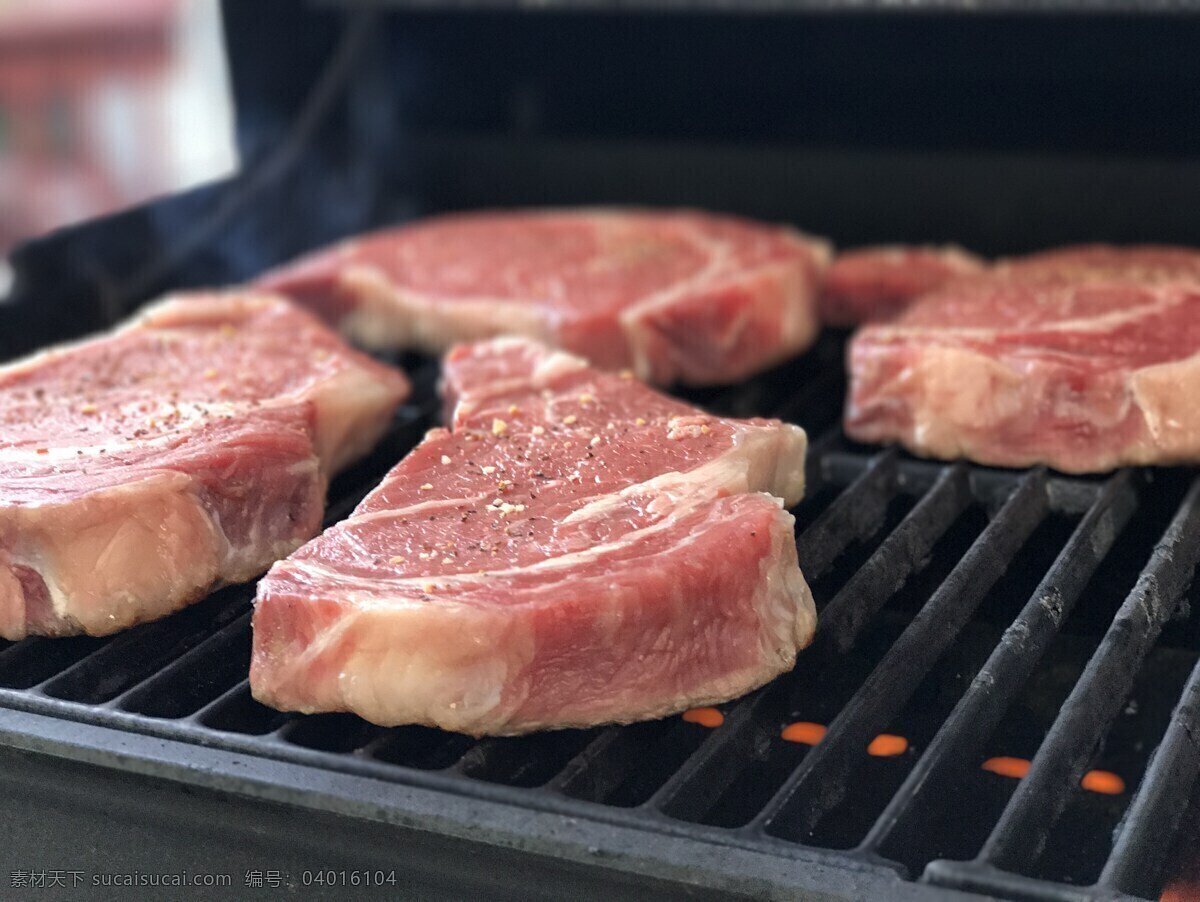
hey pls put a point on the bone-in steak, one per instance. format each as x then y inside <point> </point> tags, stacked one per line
<point>1085,359</point>
<point>676,296</point>
<point>187,449</point>
<point>877,283</point>
<point>576,549</point>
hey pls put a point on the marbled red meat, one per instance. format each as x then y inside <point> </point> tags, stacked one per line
<point>187,449</point>
<point>676,296</point>
<point>877,283</point>
<point>575,549</point>
<point>1084,359</point>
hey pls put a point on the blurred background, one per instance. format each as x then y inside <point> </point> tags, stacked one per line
<point>104,103</point>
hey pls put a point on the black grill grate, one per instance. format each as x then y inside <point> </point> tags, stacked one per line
<point>974,612</point>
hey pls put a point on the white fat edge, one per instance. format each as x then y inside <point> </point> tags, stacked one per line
<point>550,565</point>
<point>962,260</point>
<point>552,365</point>
<point>238,303</point>
<point>60,454</point>
<point>1179,374</point>
<point>411,509</point>
<point>820,247</point>
<point>470,687</point>
<point>355,601</point>
<point>145,316</point>
<point>226,554</point>
<point>730,472</point>
<point>388,315</point>
<point>800,322</point>
<point>352,411</point>
<point>60,602</point>
<point>632,318</point>
<point>795,317</point>
<point>791,454</point>
<point>294,665</point>
<point>1169,295</point>
<point>949,253</point>
<point>962,389</point>
<point>783,598</point>
<point>892,253</point>
<point>719,253</point>
<point>231,557</point>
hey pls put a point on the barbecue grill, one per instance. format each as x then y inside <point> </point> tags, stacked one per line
<point>977,625</point>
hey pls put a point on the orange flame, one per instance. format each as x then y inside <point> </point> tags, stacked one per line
<point>1103,781</point>
<point>1007,767</point>
<point>804,732</point>
<point>885,745</point>
<point>706,717</point>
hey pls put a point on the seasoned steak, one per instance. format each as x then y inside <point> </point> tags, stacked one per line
<point>676,296</point>
<point>187,449</point>
<point>1084,359</point>
<point>575,549</point>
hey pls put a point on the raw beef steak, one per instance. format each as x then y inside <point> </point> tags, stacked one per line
<point>876,283</point>
<point>187,449</point>
<point>576,549</point>
<point>676,296</point>
<point>1085,359</point>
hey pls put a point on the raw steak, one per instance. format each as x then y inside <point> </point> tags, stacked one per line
<point>1085,359</point>
<point>577,549</point>
<point>676,296</point>
<point>877,283</point>
<point>189,448</point>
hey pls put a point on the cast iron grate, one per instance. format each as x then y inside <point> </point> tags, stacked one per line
<point>975,613</point>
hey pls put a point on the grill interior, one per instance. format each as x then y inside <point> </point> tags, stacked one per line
<point>979,614</point>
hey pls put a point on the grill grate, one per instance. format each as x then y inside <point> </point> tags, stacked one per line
<point>969,610</point>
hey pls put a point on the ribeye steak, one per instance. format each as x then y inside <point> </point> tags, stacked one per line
<point>1084,359</point>
<point>576,549</point>
<point>187,449</point>
<point>877,283</point>
<point>676,296</point>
